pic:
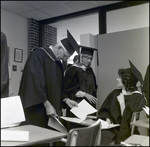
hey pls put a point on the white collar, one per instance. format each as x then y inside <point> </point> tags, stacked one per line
<point>80,66</point>
<point>130,93</point>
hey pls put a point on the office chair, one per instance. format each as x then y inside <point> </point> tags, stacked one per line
<point>85,136</point>
<point>135,117</point>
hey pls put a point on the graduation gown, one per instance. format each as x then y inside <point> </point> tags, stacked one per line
<point>77,79</point>
<point>111,109</point>
<point>4,67</point>
<point>41,80</point>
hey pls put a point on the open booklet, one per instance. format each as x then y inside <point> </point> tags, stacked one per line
<point>56,124</point>
<point>83,109</point>
<point>12,114</point>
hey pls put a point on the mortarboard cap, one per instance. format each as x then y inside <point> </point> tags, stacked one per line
<point>89,51</point>
<point>70,43</point>
<point>136,72</point>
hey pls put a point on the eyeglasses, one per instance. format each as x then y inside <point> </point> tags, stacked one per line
<point>87,57</point>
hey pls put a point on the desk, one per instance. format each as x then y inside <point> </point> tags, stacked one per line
<point>141,123</point>
<point>138,139</point>
<point>36,135</point>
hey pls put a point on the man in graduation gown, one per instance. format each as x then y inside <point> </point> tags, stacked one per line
<point>42,80</point>
<point>4,67</point>
<point>119,106</point>
<point>80,82</point>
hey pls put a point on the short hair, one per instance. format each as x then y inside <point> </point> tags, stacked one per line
<point>128,79</point>
<point>76,57</point>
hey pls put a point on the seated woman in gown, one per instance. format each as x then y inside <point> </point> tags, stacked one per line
<point>119,106</point>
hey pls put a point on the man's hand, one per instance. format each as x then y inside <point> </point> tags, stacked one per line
<point>71,103</point>
<point>108,121</point>
<point>50,110</point>
<point>91,98</point>
<point>80,94</point>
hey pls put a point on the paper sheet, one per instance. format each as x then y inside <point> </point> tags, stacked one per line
<point>146,109</point>
<point>14,135</point>
<point>105,125</point>
<point>72,119</point>
<point>56,124</point>
<point>12,111</point>
<point>83,109</point>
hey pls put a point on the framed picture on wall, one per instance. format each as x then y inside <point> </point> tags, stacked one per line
<point>18,55</point>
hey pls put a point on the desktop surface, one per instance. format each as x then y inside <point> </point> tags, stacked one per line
<point>36,135</point>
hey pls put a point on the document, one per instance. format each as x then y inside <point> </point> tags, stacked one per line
<point>12,112</point>
<point>14,135</point>
<point>105,125</point>
<point>72,119</point>
<point>146,109</point>
<point>56,124</point>
<point>83,109</point>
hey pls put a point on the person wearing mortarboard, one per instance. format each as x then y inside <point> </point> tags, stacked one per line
<point>120,104</point>
<point>42,79</point>
<point>80,81</point>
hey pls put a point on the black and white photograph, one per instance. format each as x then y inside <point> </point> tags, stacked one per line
<point>75,73</point>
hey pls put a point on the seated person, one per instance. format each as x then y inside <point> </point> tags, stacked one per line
<point>119,106</point>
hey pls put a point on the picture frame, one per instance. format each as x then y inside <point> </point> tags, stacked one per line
<point>18,55</point>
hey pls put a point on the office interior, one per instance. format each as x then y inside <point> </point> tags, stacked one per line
<point>122,36</point>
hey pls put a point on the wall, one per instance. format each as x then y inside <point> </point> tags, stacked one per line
<point>16,31</point>
<point>115,49</point>
<point>128,18</point>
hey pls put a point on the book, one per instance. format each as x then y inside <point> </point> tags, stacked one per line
<point>56,124</point>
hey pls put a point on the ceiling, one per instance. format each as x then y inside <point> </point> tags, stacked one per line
<point>40,10</point>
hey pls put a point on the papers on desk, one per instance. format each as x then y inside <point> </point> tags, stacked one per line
<point>72,119</point>
<point>56,124</point>
<point>14,135</point>
<point>12,112</point>
<point>146,109</point>
<point>83,109</point>
<point>105,125</point>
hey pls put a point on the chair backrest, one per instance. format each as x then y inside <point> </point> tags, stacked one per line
<point>85,136</point>
<point>135,116</point>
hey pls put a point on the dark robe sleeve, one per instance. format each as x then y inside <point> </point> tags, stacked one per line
<point>133,103</point>
<point>32,88</point>
<point>4,67</point>
<point>71,82</point>
<point>107,106</point>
